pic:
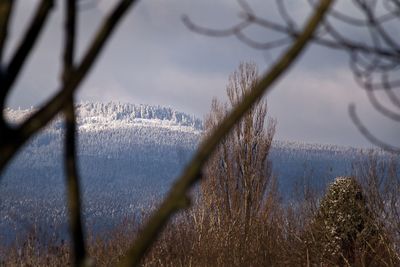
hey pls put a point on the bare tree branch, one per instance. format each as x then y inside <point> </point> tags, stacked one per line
<point>367,134</point>
<point>6,7</point>
<point>213,32</point>
<point>17,137</point>
<point>382,108</point>
<point>177,197</point>
<point>391,94</point>
<point>69,42</point>
<point>72,176</point>
<point>73,187</point>
<point>291,24</point>
<point>262,46</point>
<point>250,18</point>
<point>245,6</point>
<point>25,47</point>
<point>372,60</point>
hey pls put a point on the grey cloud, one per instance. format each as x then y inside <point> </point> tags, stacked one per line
<point>153,58</point>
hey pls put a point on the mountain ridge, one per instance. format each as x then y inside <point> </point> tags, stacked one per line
<point>99,116</point>
<point>113,115</point>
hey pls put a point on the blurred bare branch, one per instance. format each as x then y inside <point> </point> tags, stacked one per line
<point>367,134</point>
<point>177,197</point>
<point>73,188</point>
<point>72,177</point>
<point>375,62</point>
<point>25,47</point>
<point>5,11</point>
<point>12,139</point>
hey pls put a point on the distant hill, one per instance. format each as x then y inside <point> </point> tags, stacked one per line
<point>128,157</point>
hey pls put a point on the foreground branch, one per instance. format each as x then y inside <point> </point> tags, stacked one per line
<point>177,197</point>
<point>367,134</point>
<point>72,176</point>
<point>24,48</point>
<point>73,187</point>
<point>6,7</point>
<point>15,138</point>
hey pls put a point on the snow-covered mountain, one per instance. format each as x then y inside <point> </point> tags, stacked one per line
<point>128,157</point>
<point>96,116</point>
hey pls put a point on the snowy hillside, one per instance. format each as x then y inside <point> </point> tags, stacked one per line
<point>97,116</point>
<point>128,156</point>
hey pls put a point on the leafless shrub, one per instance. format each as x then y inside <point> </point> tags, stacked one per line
<point>379,178</point>
<point>286,234</point>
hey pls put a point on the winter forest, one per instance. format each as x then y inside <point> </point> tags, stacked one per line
<point>200,162</point>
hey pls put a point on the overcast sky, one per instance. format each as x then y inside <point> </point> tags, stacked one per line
<point>154,59</point>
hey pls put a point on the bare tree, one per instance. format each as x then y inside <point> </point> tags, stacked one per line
<point>374,61</point>
<point>380,181</point>
<point>177,197</point>
<point>238,177</point>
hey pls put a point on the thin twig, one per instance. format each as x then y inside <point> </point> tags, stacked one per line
<point>25,47</point>
<point>337,41</point>
<point>6,7</point>
<point>389,91</point>
<point>395,116</point>
<point>367,134</point>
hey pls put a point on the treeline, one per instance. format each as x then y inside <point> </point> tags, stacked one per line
<point>355,223</point>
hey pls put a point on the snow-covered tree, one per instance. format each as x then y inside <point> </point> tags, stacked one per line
<point>344,232</point>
